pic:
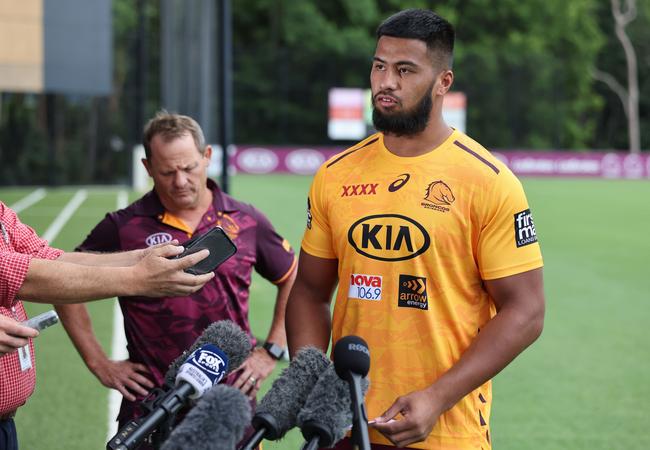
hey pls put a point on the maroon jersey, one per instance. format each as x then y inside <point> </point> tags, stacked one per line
<point>158,330</point>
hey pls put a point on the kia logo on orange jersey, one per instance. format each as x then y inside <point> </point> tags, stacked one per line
<point>359,189</point>
<point>388,237</point>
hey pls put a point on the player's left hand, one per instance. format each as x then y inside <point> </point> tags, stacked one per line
<point>257,367</point>
<point>419,412</point>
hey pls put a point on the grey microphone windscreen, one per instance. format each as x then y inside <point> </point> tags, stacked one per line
<point>226,335</point>
<point>289,392</point>
<point>217,422</point>
<point>329,406</point>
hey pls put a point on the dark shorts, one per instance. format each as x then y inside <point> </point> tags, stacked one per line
<point>8,438</point>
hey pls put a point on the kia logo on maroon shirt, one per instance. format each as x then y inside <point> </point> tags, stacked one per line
<point>158,238</point>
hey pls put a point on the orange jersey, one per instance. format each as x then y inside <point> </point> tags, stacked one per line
<point>414,238</point>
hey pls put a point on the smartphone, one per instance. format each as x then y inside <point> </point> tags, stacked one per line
<point>42,321</point>
<point>217,241</point>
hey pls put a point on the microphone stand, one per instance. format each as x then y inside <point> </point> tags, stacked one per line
<point>360,439</point>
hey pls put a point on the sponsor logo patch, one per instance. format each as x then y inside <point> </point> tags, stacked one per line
<point>229,226</point>
<point>524,228</point>
<point>438,196</point>
<point>359,189</point>
<point>158,238</point>
<point>412,292</point>
<point>388,237</point>
<point>401,181</point>
<point>365,287</point>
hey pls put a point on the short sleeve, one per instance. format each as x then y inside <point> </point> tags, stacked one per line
<point>317,240</point>
<point>19,245</point>
<point>508,238</point>
<point>103,238</point>
<point>275,258</point>
<point>13,270</point>
<point>25,240</point>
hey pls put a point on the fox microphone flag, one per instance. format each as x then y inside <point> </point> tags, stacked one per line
<point>226,335</point>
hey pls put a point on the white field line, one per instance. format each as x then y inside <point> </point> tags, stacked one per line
<point>57,225</point>
<point>118,345</point>
<point>28,201</point>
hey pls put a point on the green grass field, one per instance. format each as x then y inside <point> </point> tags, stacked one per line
<point>583,385</point>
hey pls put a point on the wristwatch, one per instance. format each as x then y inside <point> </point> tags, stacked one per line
<point>274,350</point>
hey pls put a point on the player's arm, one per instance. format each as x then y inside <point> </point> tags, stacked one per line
<point>125,376</point>
<point>308,309</point>
<point>58,282</point>
<point>519,300</point>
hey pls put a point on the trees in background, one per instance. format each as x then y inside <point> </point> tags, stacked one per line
<point>526,67</point>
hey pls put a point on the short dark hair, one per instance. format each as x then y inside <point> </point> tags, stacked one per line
<point>171,126</point>
<point>425,26</point>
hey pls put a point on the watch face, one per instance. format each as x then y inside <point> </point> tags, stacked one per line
<point>274,350</point>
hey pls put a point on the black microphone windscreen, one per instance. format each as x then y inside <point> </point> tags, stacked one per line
<point>351,355</point>
<point>226,335</point>
<point>217,422</point>
<point>290,390</point>
<point>330,406</point>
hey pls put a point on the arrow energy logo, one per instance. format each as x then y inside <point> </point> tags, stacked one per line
<point>412,292</point>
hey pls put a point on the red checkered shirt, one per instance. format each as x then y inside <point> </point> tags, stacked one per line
<point>18,245</point>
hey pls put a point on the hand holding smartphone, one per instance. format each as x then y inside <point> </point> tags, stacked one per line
<point>217,241</point>
<point>42,321</point>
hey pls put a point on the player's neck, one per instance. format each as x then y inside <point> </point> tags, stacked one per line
<point>435,133</point>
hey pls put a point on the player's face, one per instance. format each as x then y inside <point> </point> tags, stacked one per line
<point>402,81</point>
<point>179,171</point>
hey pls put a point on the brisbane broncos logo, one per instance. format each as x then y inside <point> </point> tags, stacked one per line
<point>439,193</point>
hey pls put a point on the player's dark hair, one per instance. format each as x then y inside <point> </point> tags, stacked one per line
<point>425,26</point>
<point>172,126</point>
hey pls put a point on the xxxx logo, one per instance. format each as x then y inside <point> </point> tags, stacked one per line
<point>359,189</point>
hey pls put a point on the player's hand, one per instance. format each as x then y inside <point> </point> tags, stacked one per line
<point>158,276</point>
<point>13,335</point>
<point>411,418</point>
<point>127,377</point>
<point>257,367</point>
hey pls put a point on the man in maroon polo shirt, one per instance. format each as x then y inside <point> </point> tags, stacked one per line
<point>184,202</point>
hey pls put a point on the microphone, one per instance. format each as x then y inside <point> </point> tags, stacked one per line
<point>352,363</point>
<point>277,412</point>
<point>327,414</point>
<point>205,366</point>
<point>226,335</point>
<point>217,422</point>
